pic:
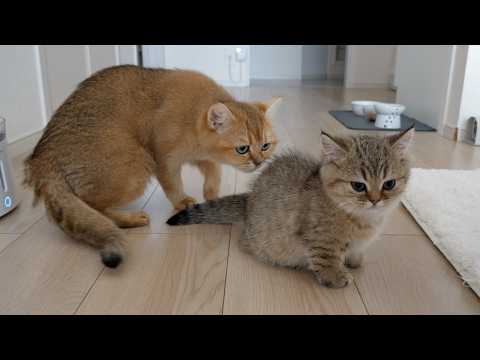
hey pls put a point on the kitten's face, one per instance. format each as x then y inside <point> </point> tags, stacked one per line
<point>245,137</point>
<point>365,173</point>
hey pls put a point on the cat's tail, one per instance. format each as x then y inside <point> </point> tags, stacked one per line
<point>226,210</point>
<point>80,221</point>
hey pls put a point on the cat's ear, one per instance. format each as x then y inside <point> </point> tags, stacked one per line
<point>219,118</point>
<point>269,107</point>
<point>401,142</point>
<point>333,150</point>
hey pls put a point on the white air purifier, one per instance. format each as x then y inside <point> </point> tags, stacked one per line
<point>472,135</point>
<point>8,200</point>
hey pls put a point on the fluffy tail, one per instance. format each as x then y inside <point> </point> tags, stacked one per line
<point>80,221</point>
<point>226,210</point>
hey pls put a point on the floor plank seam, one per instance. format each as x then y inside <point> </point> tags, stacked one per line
<point>226,269</point>
<point>147,201</point>
<point>20,235</point>
<point>235,191</point>
<point>88,291</point>
<point>361,297</point>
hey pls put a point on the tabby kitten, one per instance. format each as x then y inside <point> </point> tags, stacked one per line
<point>317,215</point>
<point>123,125</point>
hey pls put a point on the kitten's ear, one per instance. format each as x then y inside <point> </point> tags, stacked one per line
<point>219,118</point>
<point>332,150</point>
<point>270,107</point>
<point>401,142</point>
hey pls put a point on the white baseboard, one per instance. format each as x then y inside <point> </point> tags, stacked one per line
<point>275,82</point>
<point>368,85</point>
<point>315,77</point>
<point>334,76</point>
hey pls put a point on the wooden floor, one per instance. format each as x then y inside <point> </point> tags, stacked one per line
<point>201,270</point>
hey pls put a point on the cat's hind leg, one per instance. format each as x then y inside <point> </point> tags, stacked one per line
<point>127,219</point>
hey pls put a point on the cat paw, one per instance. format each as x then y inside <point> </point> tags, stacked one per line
<point>130,219</point>
<point>210,194</point>
<point>140,218</point>
<point>186,202</point>
<point>335,278</point>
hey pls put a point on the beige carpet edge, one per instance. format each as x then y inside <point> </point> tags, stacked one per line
<point>438,245</point>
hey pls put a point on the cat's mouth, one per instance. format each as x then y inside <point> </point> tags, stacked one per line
<point>375,206</point>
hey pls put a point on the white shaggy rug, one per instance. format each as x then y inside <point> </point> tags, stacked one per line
<point>446,204</point>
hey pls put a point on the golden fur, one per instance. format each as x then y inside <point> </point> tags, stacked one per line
<point>123,125</point>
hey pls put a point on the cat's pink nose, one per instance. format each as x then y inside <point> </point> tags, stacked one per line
<point>374,198</point>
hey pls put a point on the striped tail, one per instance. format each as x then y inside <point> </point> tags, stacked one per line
<point>226,210</point>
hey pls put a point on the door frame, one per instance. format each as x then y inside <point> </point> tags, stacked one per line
<point>335,68</point>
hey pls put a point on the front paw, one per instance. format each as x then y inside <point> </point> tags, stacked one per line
<point>184,203</point>
<point>334,278</point>
<point>210,194</point>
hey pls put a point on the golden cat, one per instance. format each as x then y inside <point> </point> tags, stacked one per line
<point>125,124</point>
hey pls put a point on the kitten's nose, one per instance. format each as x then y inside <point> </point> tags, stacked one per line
<point>374,198</point>
<point>257,162</point>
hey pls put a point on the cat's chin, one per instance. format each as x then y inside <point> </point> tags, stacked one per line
<point>249,169</point>
<point>369,210</point>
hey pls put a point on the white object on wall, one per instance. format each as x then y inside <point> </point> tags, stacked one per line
<point>423,79</point>
<point>281,62</point>
<point>229,65</point>
<point>369,66</point>
<point>36,79</point>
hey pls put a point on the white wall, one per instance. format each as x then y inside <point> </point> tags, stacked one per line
<point>423,80</point>
<point>265,61</point>
<point>36,79</point>
<point>369,66</point>
<point>21,92</point>
<point>153,56</point>
<point>455,89</point>
<point>276,62</point>
<point>65,67</point>
<point>314,61</point>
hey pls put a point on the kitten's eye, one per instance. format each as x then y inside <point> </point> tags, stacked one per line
<point>242,150</point>
<point>389,185</point>
<point>359,187</point>
<point>266,146</point>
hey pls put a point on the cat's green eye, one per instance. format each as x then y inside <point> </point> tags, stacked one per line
<point>359,187</point>
<point>389,185</point>
<point>242,150</point>
<point>266,146</point>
